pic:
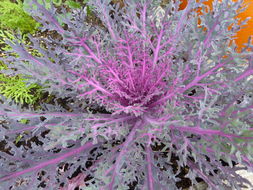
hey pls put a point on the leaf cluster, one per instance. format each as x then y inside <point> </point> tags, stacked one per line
<point>147,95</point>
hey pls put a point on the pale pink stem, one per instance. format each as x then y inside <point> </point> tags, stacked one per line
<point>150,175</point>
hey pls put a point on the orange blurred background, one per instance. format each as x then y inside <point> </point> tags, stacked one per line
<point>247,30</point>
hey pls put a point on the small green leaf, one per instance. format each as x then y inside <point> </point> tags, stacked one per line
<point>19,137</point>
<point>24,121</point>
<point>73,4</point>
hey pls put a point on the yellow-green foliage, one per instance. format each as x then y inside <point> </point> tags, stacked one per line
<point>13,17</point>
<point>16,88</point>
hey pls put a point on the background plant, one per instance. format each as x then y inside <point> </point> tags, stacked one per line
<point>15,88</point>
<point>14,19</point>
<point>142,92</point>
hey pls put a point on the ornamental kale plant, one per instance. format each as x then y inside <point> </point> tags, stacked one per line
<point>140,97</point>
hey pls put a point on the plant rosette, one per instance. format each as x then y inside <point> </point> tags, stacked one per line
<point>141,91</point>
